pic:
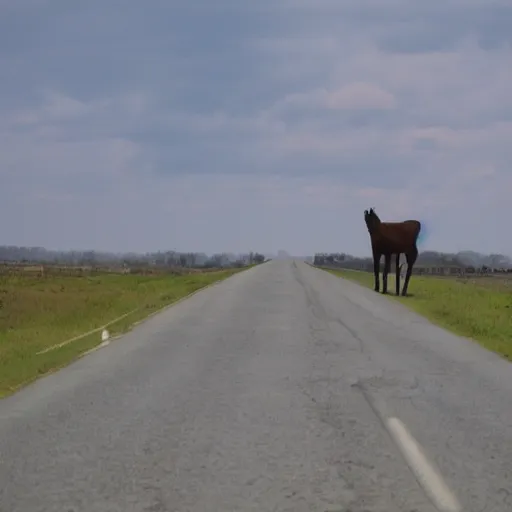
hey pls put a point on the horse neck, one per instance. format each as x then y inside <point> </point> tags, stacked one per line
<point>376,225</point>
<point>374,229</point>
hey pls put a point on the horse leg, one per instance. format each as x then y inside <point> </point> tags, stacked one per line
<point>376,264</point>
<point>397,279</point>
<point>411,259</point>
<point>387,268</point>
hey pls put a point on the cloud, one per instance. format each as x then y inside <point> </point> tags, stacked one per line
<point>354,96</point>
<point>359,96</point>
<point>254,126</point>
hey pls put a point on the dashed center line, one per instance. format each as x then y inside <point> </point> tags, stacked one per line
<point>428,477</point>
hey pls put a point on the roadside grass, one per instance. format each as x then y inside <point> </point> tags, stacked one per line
<point>38,312</point>
<point>479,308</point>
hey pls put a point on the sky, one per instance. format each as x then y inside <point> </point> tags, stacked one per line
<point>233,125</point>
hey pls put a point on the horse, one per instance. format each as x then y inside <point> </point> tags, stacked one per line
<point>390,238</point>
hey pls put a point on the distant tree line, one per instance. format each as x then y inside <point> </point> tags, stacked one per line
<point>40,255</point>
<point>462,260</point>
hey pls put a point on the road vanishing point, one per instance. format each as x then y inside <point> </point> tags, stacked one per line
<point>282,388</point>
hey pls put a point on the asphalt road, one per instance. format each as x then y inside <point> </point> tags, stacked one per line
<point>283,388</point>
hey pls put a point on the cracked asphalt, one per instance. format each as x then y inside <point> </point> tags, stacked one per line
<point>270,391</point>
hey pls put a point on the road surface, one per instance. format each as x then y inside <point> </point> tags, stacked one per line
<point>283,388</point>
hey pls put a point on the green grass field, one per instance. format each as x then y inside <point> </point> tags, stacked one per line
<point>478,308</point>
<point>38,312</point>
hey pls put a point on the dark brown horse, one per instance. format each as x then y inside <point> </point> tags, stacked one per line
<point>390,238</point>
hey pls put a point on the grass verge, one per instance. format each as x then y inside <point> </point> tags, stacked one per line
<point>39,312</point>
<point>478,308</point>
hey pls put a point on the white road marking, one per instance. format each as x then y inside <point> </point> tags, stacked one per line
<point>427,475</point>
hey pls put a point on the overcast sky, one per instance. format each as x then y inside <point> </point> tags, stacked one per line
<point>235,125</point>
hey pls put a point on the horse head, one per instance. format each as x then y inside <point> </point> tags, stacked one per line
<point>371,219</point>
